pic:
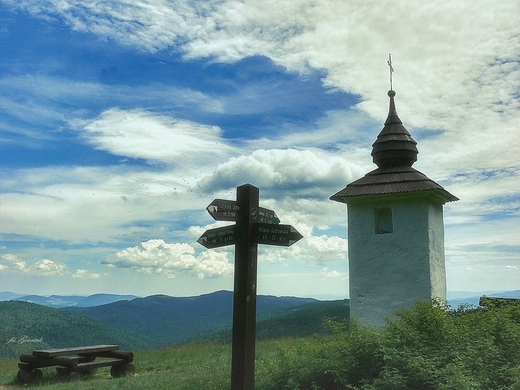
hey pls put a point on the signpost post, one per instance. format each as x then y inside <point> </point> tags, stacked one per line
<point>254,225</point>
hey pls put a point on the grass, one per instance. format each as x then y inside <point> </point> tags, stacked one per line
<point>183,367</point>
<point>187,367</point>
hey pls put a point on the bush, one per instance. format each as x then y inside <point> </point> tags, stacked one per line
<point>426,347</point>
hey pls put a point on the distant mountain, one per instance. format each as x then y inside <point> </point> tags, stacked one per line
<point>61,301</point>
<point>170,320</point>
<point>455,298</point>
<point>27,326</point>
<point>8,295</point>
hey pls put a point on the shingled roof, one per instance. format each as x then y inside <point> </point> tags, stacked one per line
<point>394,152</point>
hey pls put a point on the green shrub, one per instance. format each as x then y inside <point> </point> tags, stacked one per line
<point>426,347</point>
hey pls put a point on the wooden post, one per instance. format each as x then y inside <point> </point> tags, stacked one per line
<point>244,298</point>
<point>254,225</point>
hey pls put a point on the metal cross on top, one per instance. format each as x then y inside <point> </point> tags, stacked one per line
<point>389,62</point>
<point>254,225</point>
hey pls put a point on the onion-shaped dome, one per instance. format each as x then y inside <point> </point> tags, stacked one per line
<point>394,152</point>
<point>394,145</point>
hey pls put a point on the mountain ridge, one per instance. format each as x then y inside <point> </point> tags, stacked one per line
<point>60,301</point>
<point>180,319</point>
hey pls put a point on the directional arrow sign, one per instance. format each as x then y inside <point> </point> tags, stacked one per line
<point>214,238</point>
<point>283,235</point>
<point>267,216</point>
<point>224,210</point>
<point>227,210</point>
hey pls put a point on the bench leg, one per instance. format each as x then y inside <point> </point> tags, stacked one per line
<point>92,371</point>
<point>122,370</point>
<point>68,376</point>
<point>26,376</point>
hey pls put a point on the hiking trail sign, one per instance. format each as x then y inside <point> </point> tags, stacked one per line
<point>227,210</point>
<point>254,225</point>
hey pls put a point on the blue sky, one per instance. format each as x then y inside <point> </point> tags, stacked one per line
<point>121,121</point>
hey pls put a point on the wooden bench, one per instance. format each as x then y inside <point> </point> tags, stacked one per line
<point>71,362</point>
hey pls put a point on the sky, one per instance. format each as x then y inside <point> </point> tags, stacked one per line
<point>122,120</point>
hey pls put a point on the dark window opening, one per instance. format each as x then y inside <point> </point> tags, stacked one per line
<point>383,221</point>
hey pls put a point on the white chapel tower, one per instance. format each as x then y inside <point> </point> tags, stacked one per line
<point>395,229</point>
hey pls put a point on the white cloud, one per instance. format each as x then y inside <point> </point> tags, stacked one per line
<point>141,134</point>
<point>85,274</point>
<point>47,267</point>
<point>157,256</point>
<point>489,248</point>
<point>92,204</point>
<point>298,173</point>
<point>325,272</point>
<point>43,267</point>
<point>443,53</point>
<point>13,262</point>
<point>310,249</point>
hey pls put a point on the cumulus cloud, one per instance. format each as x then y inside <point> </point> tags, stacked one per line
<point>299,173</point>
<point>157,256</point>
<point>48,267</point>
<point>311,249</point>
<point>13,262</point>
<point>43,267</point>
<point>321,249</point>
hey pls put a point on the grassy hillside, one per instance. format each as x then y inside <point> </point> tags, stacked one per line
<point>27,326</point>
<point>425,348</point>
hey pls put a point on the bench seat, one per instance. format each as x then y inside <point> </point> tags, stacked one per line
<point>89,350</point>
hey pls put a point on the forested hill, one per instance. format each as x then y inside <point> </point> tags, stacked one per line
<point>25,327</point>
<point>302,321</point>
<point>169,320</point>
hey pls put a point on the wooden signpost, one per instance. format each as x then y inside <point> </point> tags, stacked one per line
<point>254,225</point>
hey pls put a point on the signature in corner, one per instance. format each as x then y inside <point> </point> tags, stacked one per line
<point>24,339</point>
